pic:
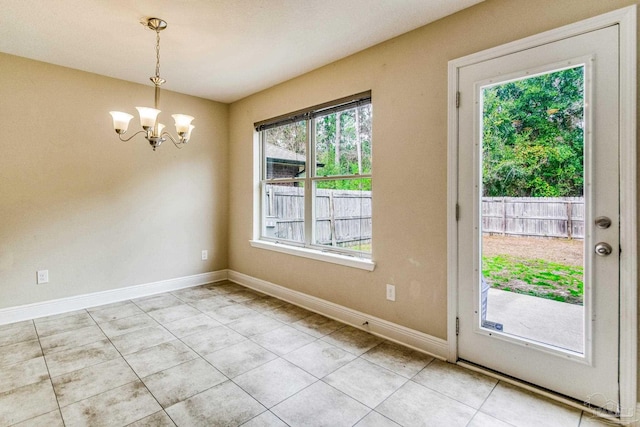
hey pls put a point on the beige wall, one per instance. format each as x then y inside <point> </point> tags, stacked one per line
<point>98,213</point>
<point>408,79</point>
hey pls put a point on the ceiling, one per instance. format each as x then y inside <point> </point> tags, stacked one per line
<point>221,50</point>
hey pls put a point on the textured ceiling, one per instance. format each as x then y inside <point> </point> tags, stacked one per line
<point>222,50</point>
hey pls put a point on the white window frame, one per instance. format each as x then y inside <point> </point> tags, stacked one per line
<point>308,248</point>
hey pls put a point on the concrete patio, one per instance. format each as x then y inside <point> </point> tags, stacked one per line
<point>538,319</point>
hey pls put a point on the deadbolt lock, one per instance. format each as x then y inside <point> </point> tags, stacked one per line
<point>603,222</point>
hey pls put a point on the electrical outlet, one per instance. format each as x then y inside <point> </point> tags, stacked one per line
<point>391,292</point>
<point>42,277</point>
<point>205,255</point>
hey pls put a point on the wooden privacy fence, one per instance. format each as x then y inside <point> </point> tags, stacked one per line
<point>534,216</point>
<point>343,217</point>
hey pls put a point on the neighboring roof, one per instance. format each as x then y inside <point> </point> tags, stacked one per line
<point>277,154</point>
<point>281,155</point>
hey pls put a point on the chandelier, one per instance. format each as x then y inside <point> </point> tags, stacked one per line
<point>151,128</point>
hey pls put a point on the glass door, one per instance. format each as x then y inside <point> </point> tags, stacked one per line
<point>538,193</point>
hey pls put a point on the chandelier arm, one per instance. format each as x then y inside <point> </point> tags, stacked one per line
<point>131,137</point>
<point>176,143</point>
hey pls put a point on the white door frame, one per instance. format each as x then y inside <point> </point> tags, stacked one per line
<point>626,19</point>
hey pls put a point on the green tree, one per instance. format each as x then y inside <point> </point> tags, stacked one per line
<point>343,147</point>
<point>292,137</point>
<point>532,134</point>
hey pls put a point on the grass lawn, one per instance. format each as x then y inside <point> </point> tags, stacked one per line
<point>364,247</point>
<point>535,277</point>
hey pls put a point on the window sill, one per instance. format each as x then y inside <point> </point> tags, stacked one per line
<point>348,261</point>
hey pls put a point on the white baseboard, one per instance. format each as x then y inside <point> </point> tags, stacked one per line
<point>63,305</point>
<point>634,419</point>
<point>408,337</point>
<point>425,343</point>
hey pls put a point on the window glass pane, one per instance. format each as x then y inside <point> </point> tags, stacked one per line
<point>285,151</point>
<point>343,213</point>
<point>339,148</point>
<point>283,211</point>
<point>343,142</point>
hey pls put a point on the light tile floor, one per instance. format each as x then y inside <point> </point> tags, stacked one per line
<point>224,355</point>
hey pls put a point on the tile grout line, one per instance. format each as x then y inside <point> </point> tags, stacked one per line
<point>203,358</point>
<point>379,366</point>
<point>287,323</point>
<point>336,369</point>
<point>121,355</point>
<point>316,339</point>
<point>46,364</point>
<point>159,324</point>
<point>267,312</point>
<point>200,356</point>
<point>130,367</point>
<point>485,401</point>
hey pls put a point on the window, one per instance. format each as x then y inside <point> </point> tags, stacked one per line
<point>315,178</point>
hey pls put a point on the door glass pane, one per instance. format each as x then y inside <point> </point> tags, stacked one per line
<point>532,225</point>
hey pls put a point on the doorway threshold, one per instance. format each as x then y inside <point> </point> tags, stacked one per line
<point>601,413</point>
